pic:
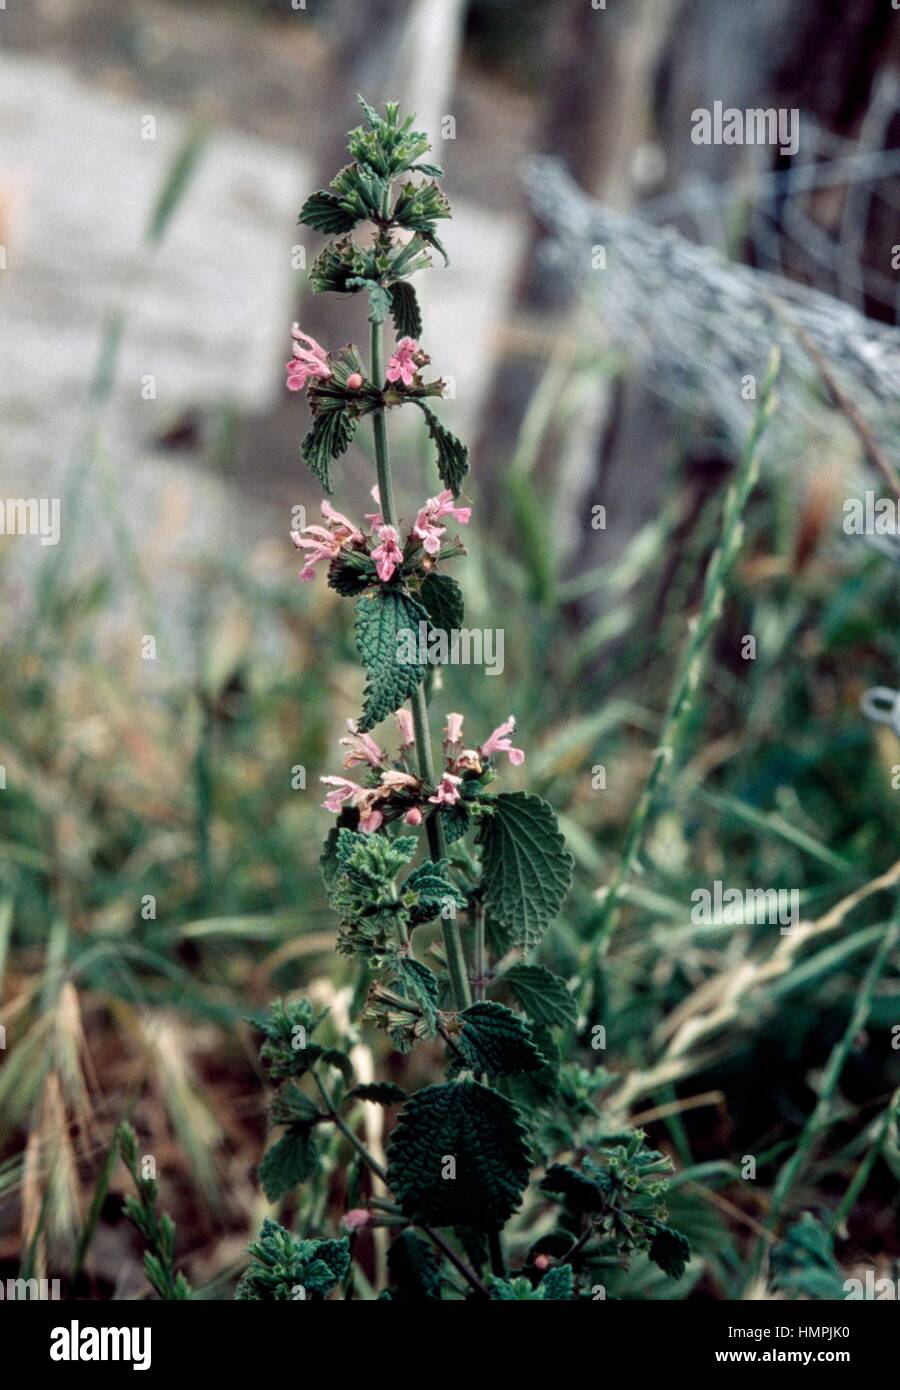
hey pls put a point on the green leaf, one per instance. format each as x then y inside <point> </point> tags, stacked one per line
<point>405,311</point>
<point>379,1092</point>
<point>543,996</point>
<point>670,1250</point>
<point>526,867</point>
<point>330,435</point>
<point>535,1090</point>
<point>324,212</point>
<point>497,1041</point>
<point>481,1132</point>
<point>432,891</point>
<point>382,620</point>
<point>803,1263</point>
<point>579,1192</point>
<point>414,1267</point>
<point>284,1267</point>
<point>443,600</point>
<point>419,984</point>
<point>558,1283</point>
<point>456,820</point>
<point>453,456</point>
<point>289,1162</point>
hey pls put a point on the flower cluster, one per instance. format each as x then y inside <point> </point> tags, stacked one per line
<point>382,544</point>
<point>396,792</point>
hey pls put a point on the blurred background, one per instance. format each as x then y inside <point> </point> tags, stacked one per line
<point>613,293</point>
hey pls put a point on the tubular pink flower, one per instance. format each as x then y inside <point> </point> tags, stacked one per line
<point>309,361</point>
<point>375,519</point>
<point>370,820</point>
<point>341,526</point>
<point>388,555</point>
<point>447,793</point>
<point>343,790</point>
<point>453,730</point>
<point>363,748</point>
<point>499,743</point>
<point>401,366</point>
<point>405,728</point>
<point>426,528</point>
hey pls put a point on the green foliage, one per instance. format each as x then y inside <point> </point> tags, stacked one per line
<point>429,893</point>
<point>158,1230</point>
<point>405,310</point>
<point>288,1028</point>
<point>443,601</point>
<point>324,212</point>
<point>526,867</point>
<point>803,1263</point>
<point>379,1092</point>
<point>389,146</point>
<point>290,1161</point>
<point>415,1269</point>
<point>557,1284</point>
<point>621,1192</point>
<point>419,207</point>
<point>364,893</point>
<point>381,620</point>
<point>452,454</point>
<point>329,436</point>
<point>482,1134</point>
<point>543,996</point>
<point>495,1040</point>
<point>285,1268</point>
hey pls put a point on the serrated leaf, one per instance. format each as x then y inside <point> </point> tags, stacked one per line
<point>543,996</point>
<point>329,436</point>
<point>452,454</point>
<point>381,620</point>
<point>433,891</point>
<point>289,1162</point>
<point>281,1263</point>
<point>414,1267</point>
<point>670,1250</point>
<point>526,867</point>
<point>443,601</point>
<point>419,984</point>
<point>497,1041</point>
<point>323,212</point>
<point>558,1283</point>
<point>456,820</point>
<point>535,1090</point>
<point>379,1092</point>
<point>405,311</point>
<point>482,1133</point>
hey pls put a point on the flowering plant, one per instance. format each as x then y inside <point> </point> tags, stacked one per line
<point>495,874</point>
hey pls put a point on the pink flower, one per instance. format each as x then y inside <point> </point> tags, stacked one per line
<point>344,790</point>
<point>356,1219</point>
<point>319,545</point>
<point>402,367</point>
<point>405,727</point>
<point>341,526</point>
<point>413,816</point>
<point>363,748</point>
<point>499,743</point>
<point>309,361</point>
<point>370,819</point>
<point>426,528</point>
<point>323,544</point>
<point>375,519</point>
<point>354,381</point>
<point>447,793</point>
<point>388,555</point>
<point>453,730</point>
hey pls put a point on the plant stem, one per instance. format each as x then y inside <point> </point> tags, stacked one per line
<point>456,963</point>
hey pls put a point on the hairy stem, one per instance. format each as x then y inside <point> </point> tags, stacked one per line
<point>456,963</point>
